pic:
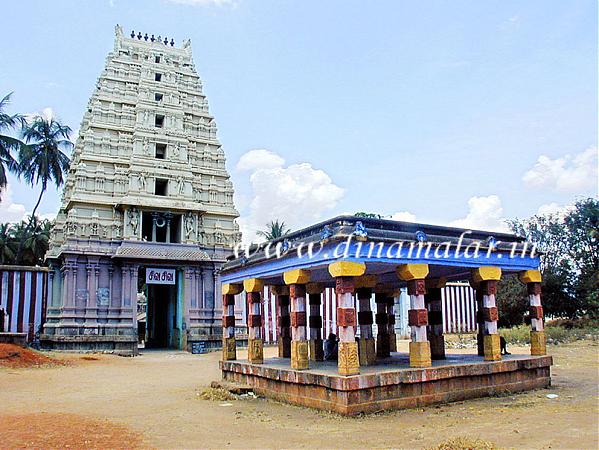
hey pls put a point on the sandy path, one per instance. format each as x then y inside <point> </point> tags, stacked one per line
<point>156,395</point>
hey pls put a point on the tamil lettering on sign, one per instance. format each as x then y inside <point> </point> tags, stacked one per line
<point>160,276</point>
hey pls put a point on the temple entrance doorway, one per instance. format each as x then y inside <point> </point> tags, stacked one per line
<point>163,327</point>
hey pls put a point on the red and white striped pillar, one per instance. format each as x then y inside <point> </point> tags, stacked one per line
<point>229,346</point>
<point>297,280</point>
<point>314,291</point>
<point>420,350</point>
<point>344,273</point>
<point>254,288</point>
<point>433,300</point>
<point>366,345</point>
<point>487,277</point>
<point>283,320</point>
<point>538,341</point>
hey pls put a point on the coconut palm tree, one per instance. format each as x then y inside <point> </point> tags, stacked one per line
<point>7,244</point>
<point>35,243</point>
<point>274,230</point>
<point>8,143</point>
<point>43,160</point>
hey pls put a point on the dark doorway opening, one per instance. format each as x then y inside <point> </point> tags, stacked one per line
<point>161,318</point>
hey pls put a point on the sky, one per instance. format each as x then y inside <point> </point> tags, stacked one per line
<point>462,113</point>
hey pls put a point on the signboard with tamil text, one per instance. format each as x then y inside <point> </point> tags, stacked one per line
<point>160,276</point>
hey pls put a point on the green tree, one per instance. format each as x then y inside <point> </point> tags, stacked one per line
<point>511,301</point>
<point>570,260</point>
<point>582,238</point>
<point>43,160</point>
<point>8,144</point>
<point>7,244</point>
<point>35,242</point>
<point>274,229</point>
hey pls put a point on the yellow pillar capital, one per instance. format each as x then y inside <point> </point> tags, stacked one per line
<point>232,288</point>
<point>486,273</point>
<point>408,272</point>
<point>296,276</point>
<point>347,269</point>
<point>253,285</point>
<point>530,276</point>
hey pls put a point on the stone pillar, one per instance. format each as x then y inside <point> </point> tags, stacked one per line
<point>154,217</point>
<point>538,341</point>
<point>314,291</point>
<point>345,273</point>
<point>229,347</point>
<point>168,217</point>
<point>297,280</point>
<point>254,289</point>
<point>381,297</point>
<point>420,350</point>
<point>480,323</point>
<point>487,278</point>
<point>391,322</point>
<point>366,347</point>
<point>133,285</point>
<point>91,311</point>
<point>283,320</point>
<point>434,330</point>
<point>124,278</point>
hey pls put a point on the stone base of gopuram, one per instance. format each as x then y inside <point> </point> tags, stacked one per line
<point>390,384</point>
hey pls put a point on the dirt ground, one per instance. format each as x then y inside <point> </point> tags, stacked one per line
<point>153,401</point>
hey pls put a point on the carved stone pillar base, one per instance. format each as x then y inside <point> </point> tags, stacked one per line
<point>229,349</point>
<point>284,345</point>
<point>492,347</point>
<point>420,354</point>
<point>392,342</point>
<point>349,363</point>
<point>367,352</point>
<point>316,350</point>
<point>255,351</point>
<point>437,347</point>
<point>538,343</point>
<point>299,355</point>
<point>382,345</point>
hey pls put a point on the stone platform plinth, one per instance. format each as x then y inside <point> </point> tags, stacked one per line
<point>391,384</point>
<point>19,339</point>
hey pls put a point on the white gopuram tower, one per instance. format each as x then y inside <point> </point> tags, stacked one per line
<point>147,216</point>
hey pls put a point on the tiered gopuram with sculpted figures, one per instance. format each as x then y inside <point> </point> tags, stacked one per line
<point>147,215</point>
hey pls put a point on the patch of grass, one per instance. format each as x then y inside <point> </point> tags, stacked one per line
<point>520,335</point>
<point>465,443</point>
<point>215,394</point>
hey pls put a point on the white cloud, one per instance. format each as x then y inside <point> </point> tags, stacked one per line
<point>570,173</point>
<point>47,113</point>
<point>553,209</point>
<point>297,194</point>
<point>259,159</point>
<point>403,216</point>
<point>9,211</point>
<point>231,3</point>
<point>485,213</point>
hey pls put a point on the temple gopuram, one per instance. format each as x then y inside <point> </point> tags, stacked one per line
<point>365,260</point>
<point>147,210</point>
